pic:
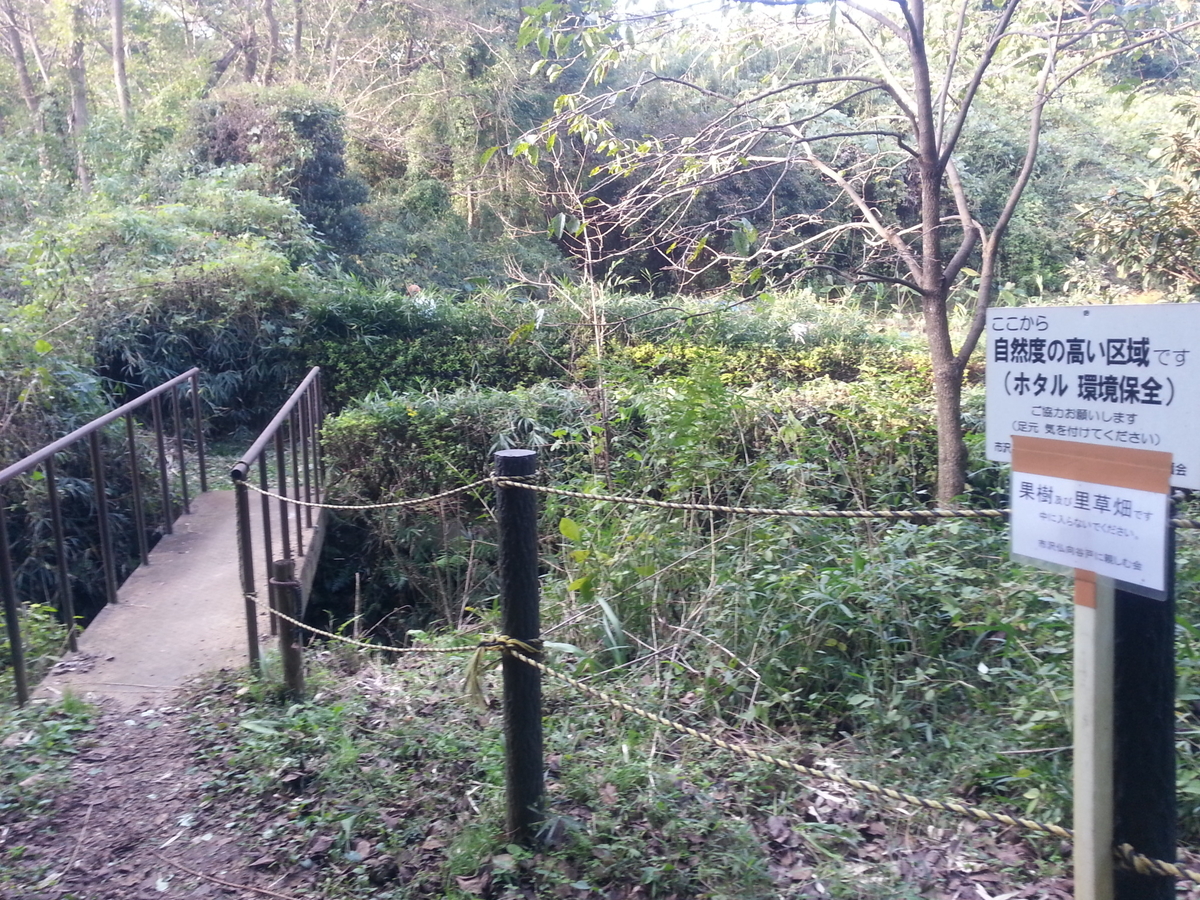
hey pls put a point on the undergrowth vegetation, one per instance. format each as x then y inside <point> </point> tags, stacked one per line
<point>387,784</point>
<point>918,641</point>
<point>37,740</point>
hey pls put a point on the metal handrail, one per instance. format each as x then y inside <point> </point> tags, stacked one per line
<point>44,457</point>
<point>39,456</point>
<point>242,466</point>
<point>300,417</point>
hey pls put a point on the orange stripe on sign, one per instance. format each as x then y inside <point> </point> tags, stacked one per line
<point>1142,470</point>
<point>1085,588</point>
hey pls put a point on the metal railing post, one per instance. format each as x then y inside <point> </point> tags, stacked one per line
<point>164,483</point>
<point>100,491</point>
<point>198,426</point>
<point>135,482</point>
<point>305,437</point>
<point>183,485</point>
<point>268,553</point>
<point>13,624</point>
<point>319,400</point>
<point>294,438</point>
<point>66,597</point>
<point>285,537</point>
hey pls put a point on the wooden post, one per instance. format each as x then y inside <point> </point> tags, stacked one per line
<point>516,514</point>
<point>1144,713</point>
<point>287,601</point>
<point>1093,779</point>
<point>246,566</point>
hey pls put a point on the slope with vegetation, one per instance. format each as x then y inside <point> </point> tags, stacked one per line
<point>683,263</point>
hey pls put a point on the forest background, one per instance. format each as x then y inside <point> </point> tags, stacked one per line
<point>692,255</point>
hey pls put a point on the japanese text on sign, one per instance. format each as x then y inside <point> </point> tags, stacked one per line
<point>1114,531</point>
<point>1113,375</point>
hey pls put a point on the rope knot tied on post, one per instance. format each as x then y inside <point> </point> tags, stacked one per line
<point>510,646</point>
<point>506,644</point>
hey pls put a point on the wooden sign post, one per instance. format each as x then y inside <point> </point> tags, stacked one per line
<point>1104,511</point>
<point>1092,776</point>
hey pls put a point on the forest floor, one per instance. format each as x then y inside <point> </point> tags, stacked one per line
<point>200,799</point>
<point>134,815</point>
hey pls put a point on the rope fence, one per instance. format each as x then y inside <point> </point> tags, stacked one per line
<point>527,648</point>
<point>766,511</point>
<point>525,653</point>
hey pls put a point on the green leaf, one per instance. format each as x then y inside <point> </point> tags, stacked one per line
<point>569,529</point>
<point>557,224</point>
<point>487,154</point>
<point>43,346</point>
<point>259,726</point>
<point>559,647</point>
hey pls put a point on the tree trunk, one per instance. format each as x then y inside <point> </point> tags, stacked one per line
<point>29,94</point>
<point>297,35</point>
<point>120,79</point>
<point>16,49</point>
<point>952,449</point>
<point>947,393</point>
<point>77,77</point>
<point>250,54</point>
<point>272,40</point>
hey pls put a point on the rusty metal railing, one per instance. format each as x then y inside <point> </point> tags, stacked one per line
<point>292,435</point>
<point>43,460</point>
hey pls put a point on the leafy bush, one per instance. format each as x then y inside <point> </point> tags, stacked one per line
<point>369,341</point>
<point>43,640</point>
<point>295,137</point>
<point>209,281</point>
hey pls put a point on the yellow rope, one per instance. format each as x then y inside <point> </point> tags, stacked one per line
<point>357,643</point>
<point>868,786</point>
<point>889,514</point>
<point>1124,854</point>
<point>765,510</point>
<point>397,504</point>
<point>659,504</point>
<point>524,651</point>
<point>1148,865</point>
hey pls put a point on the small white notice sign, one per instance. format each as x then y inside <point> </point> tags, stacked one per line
<point>1114,531</point>
<point>1115,376</point>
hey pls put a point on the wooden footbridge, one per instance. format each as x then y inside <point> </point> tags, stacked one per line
<point>196,602</point>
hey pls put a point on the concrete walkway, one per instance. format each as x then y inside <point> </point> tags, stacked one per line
<point>177,618</point>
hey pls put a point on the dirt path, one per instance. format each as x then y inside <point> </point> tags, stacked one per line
<point>137,809</point>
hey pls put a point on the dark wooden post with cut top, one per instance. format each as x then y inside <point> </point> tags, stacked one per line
<point>1144,734</point>
<point>287,600</point>
<point>516,515</point>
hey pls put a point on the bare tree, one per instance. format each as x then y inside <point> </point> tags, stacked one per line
<point>10,24</point>
<point>120,78</point>
<point>77,79</point>
<point>888,103</point>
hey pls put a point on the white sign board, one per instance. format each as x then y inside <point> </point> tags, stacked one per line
<point>1113,531</point>
<point>1118,376</point>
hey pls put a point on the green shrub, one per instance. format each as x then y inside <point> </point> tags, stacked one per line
<point>295,137</point>
<point>369,341</point>
<point>43,640</point>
